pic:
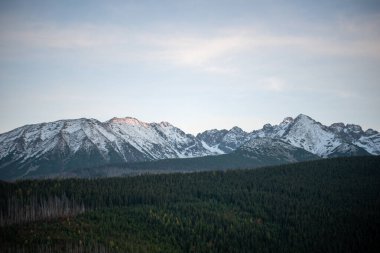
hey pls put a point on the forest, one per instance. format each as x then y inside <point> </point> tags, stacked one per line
<point>329,205</point>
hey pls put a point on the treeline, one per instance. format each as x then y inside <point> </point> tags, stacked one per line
<point>328,205</point>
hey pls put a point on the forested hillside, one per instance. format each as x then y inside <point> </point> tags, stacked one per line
<point>330,205</point>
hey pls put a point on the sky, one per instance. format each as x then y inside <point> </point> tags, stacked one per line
<point>196,64</point>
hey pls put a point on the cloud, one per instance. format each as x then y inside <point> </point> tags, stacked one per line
<point>197,51</point>
<point>273,84</point>
<point>218,51</point>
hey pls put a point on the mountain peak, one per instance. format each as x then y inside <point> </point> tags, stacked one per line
<point>267,127</point>
<point>370,131</point>
<point>129,121</point>
<point>354,128</point>
<point>165,124</point>
<point>303,117</point>
<point>236,129</point>
<point>339,124</point>
<point>337,127</point>
<point>287,120</point>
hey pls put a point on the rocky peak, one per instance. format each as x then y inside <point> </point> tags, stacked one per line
<point>237,130</point>
<point>370,131</point>
<point>337,127</point>
<point>303,117</point>
<point>354,128</point>
<point>287,120</point>
<point>165,124</point>
<point>267,127</point>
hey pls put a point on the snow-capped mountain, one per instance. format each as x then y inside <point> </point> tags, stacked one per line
<point>223,141</point>
<point>84,143</point>
<point>276,131</point>
<point>306,133</point>
<point>370,143</point>
<point>154,140</point>
<point>88,142</point>
<point>350,133</point>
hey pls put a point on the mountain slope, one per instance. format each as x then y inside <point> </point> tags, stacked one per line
<point>255,153</point>
<point>370,143</point>
<point>67,144</point>
<point>346,149</point>
<point>306,133</point>
<point>276,131</point>
<point>269,150</point>
<point>223,141</point>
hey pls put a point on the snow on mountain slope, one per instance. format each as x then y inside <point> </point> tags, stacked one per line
<point>56,145</point>
<point>276,131</point>
<point>214,149</point>
<point>88,142</point>
<point>370,143</point>
<point>233,139</point>
<point>156,140</point>
<point>69,144</point>
<point>224,141</point>
<point>306,133</point>
<point>212,137</point>
<point>303,132</point>
<point>348,149</point>
<point>270,149</point>
<point>312,136</point>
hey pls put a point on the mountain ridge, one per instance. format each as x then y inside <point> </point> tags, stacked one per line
<point>69,144</point>
<point>313,136</point>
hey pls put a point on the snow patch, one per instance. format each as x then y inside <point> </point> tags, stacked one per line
<point>214,149</point>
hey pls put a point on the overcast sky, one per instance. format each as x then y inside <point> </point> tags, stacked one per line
<point>196,64</point>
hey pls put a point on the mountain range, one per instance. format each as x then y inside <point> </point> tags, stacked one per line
<point>57,147</point>
<point>303,132</point>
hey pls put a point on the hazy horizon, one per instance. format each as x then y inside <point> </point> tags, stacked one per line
<point>196,64</point>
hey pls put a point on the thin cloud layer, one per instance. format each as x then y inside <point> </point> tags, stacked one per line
<point>183,49</point>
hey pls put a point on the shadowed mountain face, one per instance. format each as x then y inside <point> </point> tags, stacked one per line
<point>57,147</point>
<point>274,151</point>
<point>253,154</point>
